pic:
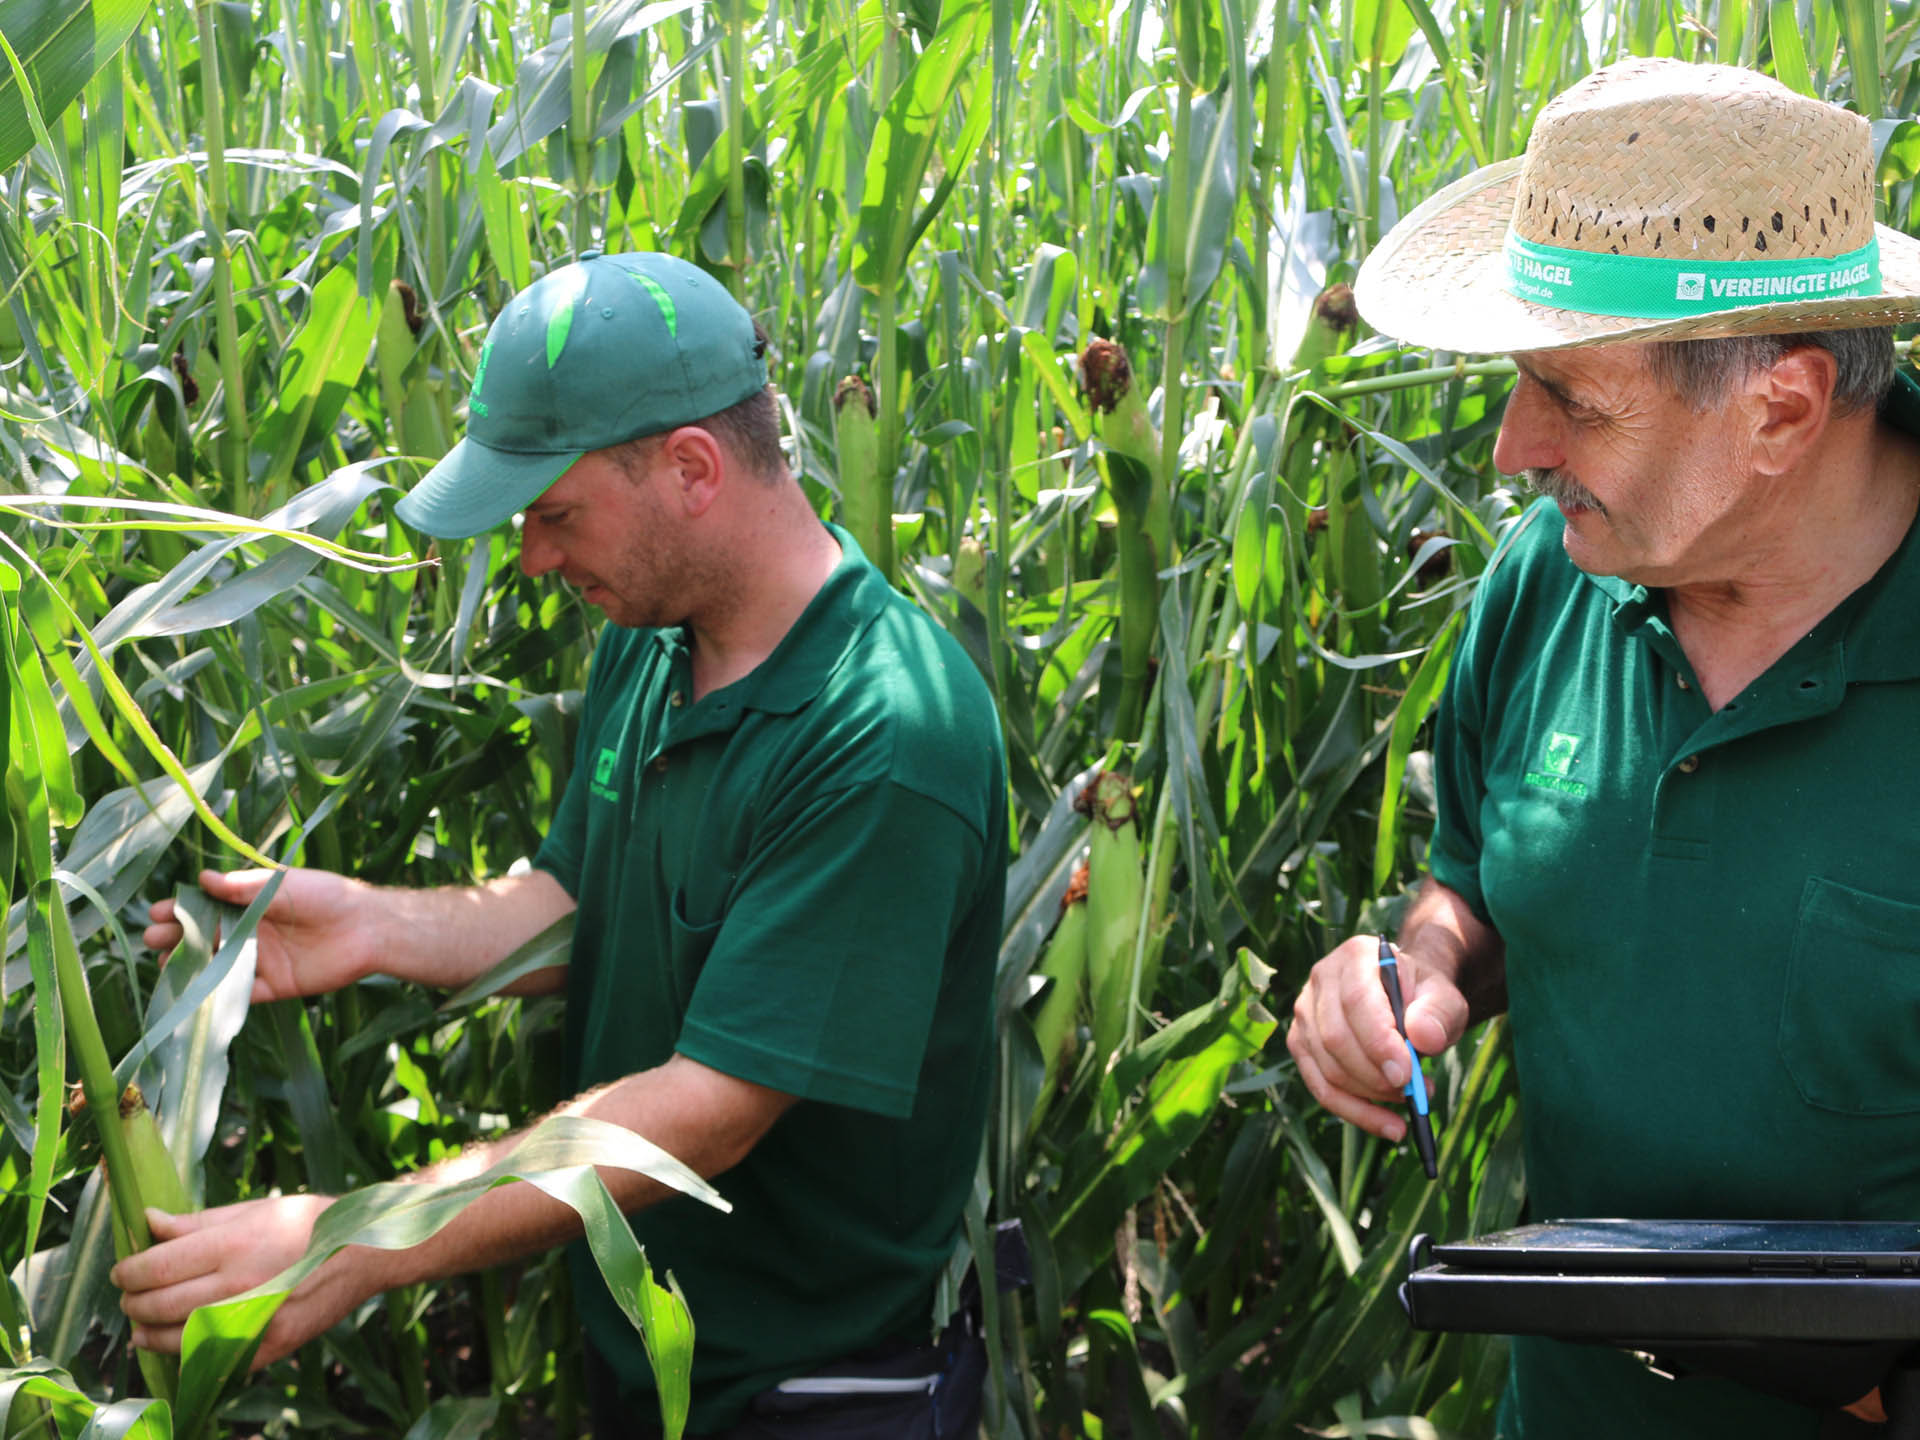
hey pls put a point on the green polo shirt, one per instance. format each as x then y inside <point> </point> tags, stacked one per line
<point>797,880</point>
<point>1712,925</point>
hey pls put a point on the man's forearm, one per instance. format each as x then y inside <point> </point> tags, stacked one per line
<point>450,937</point>
<point>706,1120</point>
<point>1441,928</point>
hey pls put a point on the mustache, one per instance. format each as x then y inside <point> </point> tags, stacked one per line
<point>1560,487</point>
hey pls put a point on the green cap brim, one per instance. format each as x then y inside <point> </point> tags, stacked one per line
<point>474,489</point>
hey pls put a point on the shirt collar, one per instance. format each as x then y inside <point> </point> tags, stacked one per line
<point>1881,638</point>
<point>811,650</point>
<point>1878,626</point>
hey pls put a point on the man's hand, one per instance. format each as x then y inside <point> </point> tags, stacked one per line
<point>323,931</point>
<point>317,935</point>
<point>198,1259</point>
<point>1343,1035</point>
<point>1869,1408</point>
<point>1453,970</point>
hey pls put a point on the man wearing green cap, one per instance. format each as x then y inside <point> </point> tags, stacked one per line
<point>783,843</point>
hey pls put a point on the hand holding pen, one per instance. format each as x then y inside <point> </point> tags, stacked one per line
<point>1416,1087</point>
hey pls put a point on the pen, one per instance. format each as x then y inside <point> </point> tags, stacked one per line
<point>1417,1081</point>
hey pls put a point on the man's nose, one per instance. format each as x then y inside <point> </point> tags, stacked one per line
<point>1529,438</point>
<point>537,556</point>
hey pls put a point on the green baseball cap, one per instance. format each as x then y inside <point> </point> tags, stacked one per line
<point>604,350</point>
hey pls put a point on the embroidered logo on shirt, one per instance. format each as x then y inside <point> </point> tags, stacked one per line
<point>602,787</point>
<point>1556,766</point>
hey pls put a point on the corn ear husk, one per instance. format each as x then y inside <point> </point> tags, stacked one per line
<point>1116,888</point>
<point>970,571</point>
<point>1143,510</point>
<point>866,502</point>
<point>393,347</point>
<point>1331,326</point>
<point>1065,963</point>
<point>160,1187</point>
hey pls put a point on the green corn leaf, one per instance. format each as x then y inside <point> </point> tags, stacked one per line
<point>1179,1099</point>
<point>53,48</point>
<point>558,1157</point>
<point>503,211</point>
<point>1789,55</point>
<point>30,1393</point>
<point>905,141</point>
<point>456,1419</point>
<point>1862,24</point>
<point>1423,693</point>
<point>324,363</point>
<point>186,1073</point>
<point>1213,194</point>
<point>68,1288</point>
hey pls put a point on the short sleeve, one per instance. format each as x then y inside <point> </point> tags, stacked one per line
<point>1458,767</point>
<point>1459,786</point>
<point>825,973</point>
<point>563,849</point>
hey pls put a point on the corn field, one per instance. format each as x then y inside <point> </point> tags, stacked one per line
<point>1057,298</point>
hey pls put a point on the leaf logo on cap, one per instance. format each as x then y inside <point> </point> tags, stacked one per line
<point>573,284</point>
<point>474,402</point>
<point>662,299</point>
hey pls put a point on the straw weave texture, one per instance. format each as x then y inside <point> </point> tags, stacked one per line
<point>1652,158</point>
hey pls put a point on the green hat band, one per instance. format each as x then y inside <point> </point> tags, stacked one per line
<point>1647,288</point>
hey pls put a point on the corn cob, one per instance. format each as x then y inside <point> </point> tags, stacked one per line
<point>160,1186</point>
<point>866,501</point>
<point>1116,885</point>
<point>1065,963</point>
<point>392,349</point>
<point>1334,319</point>
<point>970,572</point>
<point>1141,503</point>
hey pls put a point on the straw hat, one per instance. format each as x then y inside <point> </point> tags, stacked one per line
<point>1657,201</point>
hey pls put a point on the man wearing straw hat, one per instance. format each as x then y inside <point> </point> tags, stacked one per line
<point>1673,755</point>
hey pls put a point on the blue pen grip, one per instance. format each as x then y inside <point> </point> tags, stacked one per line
<point>1416,1086</point>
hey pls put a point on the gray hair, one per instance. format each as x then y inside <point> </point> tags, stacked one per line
<point>1700,372</point>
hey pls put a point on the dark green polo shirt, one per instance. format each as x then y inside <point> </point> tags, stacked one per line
<point>1711,924</point>
<point>798,881</point>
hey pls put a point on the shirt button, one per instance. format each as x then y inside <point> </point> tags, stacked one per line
<point>676,699</point>
<point>660,764</point>
<point>1681,681</point>
<point>1689,765</point>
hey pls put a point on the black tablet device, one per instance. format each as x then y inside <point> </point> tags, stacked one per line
<point>1633,1282</point>
<point>1658,1247</point>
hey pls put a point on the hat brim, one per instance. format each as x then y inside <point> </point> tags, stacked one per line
<point>475,488</point>
<point>1438,280</point>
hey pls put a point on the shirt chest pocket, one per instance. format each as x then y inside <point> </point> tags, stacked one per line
<point>689,942</point>
<point>1850,1015</point>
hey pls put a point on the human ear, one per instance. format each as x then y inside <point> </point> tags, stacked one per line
<point>696,466</point>
<point>1792,403</point>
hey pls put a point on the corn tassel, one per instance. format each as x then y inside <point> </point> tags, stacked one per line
<point>1116,886</point>
<point>866,501</point>
<point>1142,506</point>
